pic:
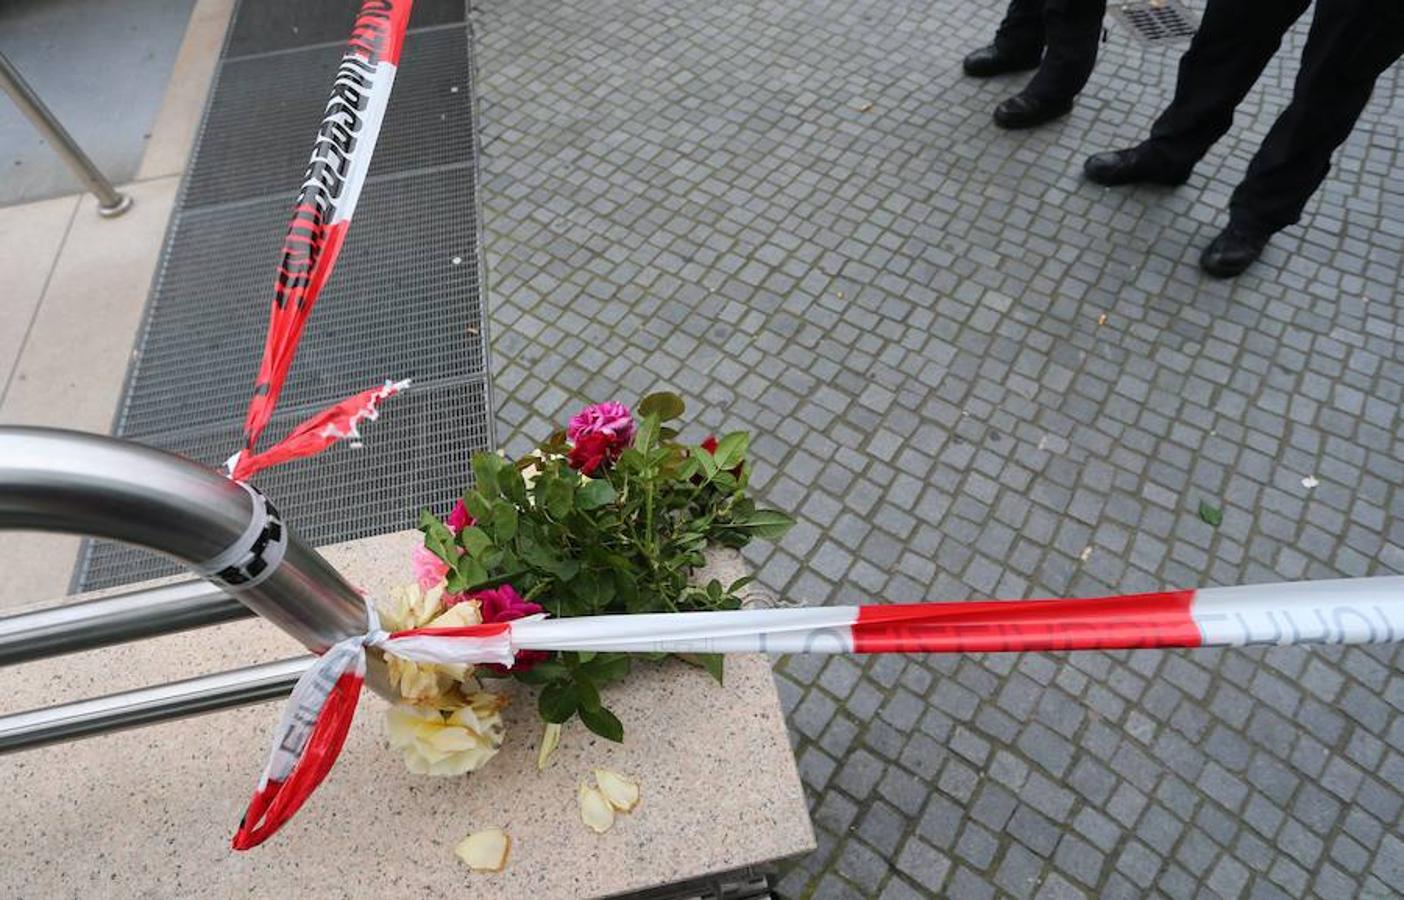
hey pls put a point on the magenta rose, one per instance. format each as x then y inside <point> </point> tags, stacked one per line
<point>593,452</point>
<point>598,434</point>
<point>504,604</point>
<point>460,518</point>
<point>610,419</point>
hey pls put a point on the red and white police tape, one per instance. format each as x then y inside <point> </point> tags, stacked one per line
<point>331,186</point>
<point>315,722</point>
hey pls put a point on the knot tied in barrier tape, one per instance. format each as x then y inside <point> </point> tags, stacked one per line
<point>314,724</point>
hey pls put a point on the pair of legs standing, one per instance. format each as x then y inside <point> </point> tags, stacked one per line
<point>1350,44</point>
<point>1059,38</point>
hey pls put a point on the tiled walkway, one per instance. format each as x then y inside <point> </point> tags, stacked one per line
<point>972,374</point>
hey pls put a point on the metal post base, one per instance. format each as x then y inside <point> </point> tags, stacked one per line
<point>124,203</point>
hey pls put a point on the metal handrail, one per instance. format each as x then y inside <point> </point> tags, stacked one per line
<point>110,201</point>
<point>147,706</point>
<point>64,481</point>
<point>91,624</point>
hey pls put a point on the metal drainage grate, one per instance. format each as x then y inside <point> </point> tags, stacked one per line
<point>1157,21</point>
<point>405,301</point>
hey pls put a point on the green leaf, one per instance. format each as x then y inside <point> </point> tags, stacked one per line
<point>604,723</point>
<point>608,667</point>
<point>558,701</point>
<point>437,537</point>
<point>504,521</point>
<point>1211,514</point>
<point>593,588</point>
<point>469,574</point>
<point>558,497</point>
<point>509,481</point>
<point>588,694</point>
<point>766,523</point>
<point>647,435</point>
<point>712,662</point>
<point>594,494</point>
<point>731,450</point>
<point>626,589</point>
<point>474,540</point>
<point>584,656</point>
<point>543,673</point>
<point>706,461</point>
<point>664,405</point>
<point>485,466</point>
<point>478,507</point>
<point>557,443</point>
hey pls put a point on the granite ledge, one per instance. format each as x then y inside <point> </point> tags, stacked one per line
<point>151,811</point>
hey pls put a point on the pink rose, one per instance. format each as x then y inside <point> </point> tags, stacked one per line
<point>611,419</point>
<point>429,570</point>
<point>460,518</point>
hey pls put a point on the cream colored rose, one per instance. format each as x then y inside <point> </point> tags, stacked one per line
<point>430,682</point>
<point>444,742</point>
<point>409,607</point>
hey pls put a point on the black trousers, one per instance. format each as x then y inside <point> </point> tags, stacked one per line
<point>1065,31</point>
<point>1350,43</point>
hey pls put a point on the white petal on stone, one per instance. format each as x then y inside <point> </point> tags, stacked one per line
<point>595,810</point>
<point>486,850</point>
<point>550,738</point>
<point>1310,482</point>
<point>621,793</point>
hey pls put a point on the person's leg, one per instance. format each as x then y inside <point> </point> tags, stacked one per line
<point>1350,44</point>
<point>1072,30</point>
<point>1233,45</point>
<point>1021,32</point>
<point>1017,46</point>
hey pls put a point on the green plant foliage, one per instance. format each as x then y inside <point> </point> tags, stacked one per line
<point>623,541</point>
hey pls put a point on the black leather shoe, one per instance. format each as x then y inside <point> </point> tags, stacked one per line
<point>1023,111</point>
<point>990,61</point>
<point>1134,165</point>
<point>1232,251</point>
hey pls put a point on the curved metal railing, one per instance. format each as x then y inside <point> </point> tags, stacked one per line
<point>64,481</point>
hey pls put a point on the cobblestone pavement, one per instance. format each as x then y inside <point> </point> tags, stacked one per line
<point>798,215</point>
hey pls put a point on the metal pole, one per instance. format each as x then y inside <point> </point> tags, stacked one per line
<point>110,202</point>
<point>75,627</point>
<point>66,481</point>
<point>147,706</point>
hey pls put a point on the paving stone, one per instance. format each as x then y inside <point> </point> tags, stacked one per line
<point>904,305</point>
<point>923,864</point>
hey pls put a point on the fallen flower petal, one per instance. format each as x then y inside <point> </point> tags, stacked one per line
<point>550,738</point>
<point>595,810</point>
<point>486,850</point>
<point>621,792</point>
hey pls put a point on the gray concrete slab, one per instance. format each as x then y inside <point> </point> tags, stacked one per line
<point>101,66</point>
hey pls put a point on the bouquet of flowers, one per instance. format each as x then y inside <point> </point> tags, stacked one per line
<point>610,515</point>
